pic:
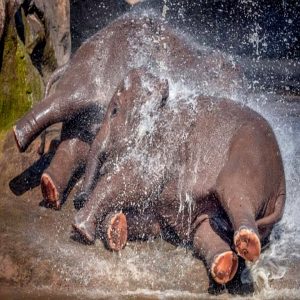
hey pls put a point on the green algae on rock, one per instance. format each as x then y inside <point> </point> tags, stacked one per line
<point>20,83</point>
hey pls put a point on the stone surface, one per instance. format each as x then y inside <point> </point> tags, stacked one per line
<point>34,31</point>
<point>56,17</point>
<point>7,10</point>
<point>35,41</point>
<point>2,17</point>
<point>20,83</point>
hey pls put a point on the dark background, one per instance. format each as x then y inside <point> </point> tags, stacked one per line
<point>227,25</point>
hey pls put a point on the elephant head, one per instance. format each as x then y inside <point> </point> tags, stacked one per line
<point>139,93</point>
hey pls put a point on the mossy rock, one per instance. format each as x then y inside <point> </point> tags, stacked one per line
<point>34,31</point>
<point>20,83</point>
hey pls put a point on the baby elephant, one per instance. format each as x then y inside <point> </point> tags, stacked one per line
<point>87,83</point>
<point>195,160</point>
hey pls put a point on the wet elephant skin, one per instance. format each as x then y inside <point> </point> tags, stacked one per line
<point>189,158</point>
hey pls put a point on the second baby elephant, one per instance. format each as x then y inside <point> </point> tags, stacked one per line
<point>188,158</point>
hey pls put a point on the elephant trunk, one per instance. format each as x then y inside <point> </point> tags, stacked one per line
<point>95,160</point>
<point>43,114</point>
<point>97,155</point>
<point>35,121</point>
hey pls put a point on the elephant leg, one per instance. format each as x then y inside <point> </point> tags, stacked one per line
<point>117,227</point>
<point>53,109</point>
<point>70,155</point>
<point>222,262</point>
<point>42,115</point>
<point>239,198</point>
<point>112,193</point>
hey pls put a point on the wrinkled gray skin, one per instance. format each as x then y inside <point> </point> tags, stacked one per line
<point>187,157</point>
<point>94,72</point>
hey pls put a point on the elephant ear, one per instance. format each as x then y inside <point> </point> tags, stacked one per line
<point>164,91</point>
<point>139,76</point>
<point>161,86</point>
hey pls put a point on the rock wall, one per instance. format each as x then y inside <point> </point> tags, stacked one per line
<point>56,44</point>
<point>34,40</point>
<point>20,82</point>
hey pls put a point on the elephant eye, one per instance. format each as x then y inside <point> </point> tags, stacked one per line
<point>114,112</point>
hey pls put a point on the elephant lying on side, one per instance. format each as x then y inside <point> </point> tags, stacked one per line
<point>188,158</point>
<point>89,80</point>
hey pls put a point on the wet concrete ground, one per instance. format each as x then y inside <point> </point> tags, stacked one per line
<point>40,260</point>
<point>38,255</point>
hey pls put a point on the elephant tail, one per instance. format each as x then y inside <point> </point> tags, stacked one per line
<point>278,208</point>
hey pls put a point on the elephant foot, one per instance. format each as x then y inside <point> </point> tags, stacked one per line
<point>247,244</point>
<point>85,229</point>
<point>115,231</point>
<point>49,191</point>
<point>224,267</point>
